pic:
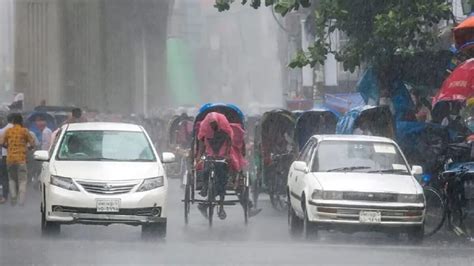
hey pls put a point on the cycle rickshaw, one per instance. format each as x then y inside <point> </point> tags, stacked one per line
<point>179,140</point>
<point>237,187</point>
<point>275,150</point>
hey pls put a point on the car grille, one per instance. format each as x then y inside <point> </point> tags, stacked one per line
<point>153,211</point>
<point>352,214</point>
<point>364,196</point>
<point>112,188</point>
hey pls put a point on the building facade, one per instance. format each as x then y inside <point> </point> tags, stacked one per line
<point>107,55</point>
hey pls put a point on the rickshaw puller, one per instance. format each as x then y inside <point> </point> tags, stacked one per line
<point>215,141</point>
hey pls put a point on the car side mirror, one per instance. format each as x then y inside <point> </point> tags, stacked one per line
<point>301,166</point>
<point>416,170</point>
<point>42,156</point>
<point>168,157</point>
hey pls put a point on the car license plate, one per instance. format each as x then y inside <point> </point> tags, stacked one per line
<point>370,217</point>
<point>108,205</point>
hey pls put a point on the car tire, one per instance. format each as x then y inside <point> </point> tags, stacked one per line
<point>295,223</point>
<point>416,234</point>
<point>310,229</point>
<point>154,230</point>
<point>49,228</point>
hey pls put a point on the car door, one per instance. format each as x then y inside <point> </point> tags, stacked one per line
<point>298,177</point>
<point>292,177</point>
<point>302,179</point>
<point>45,166</point>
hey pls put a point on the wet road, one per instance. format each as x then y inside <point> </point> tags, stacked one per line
<point>264,241</point>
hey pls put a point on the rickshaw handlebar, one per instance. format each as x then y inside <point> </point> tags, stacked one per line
<point>213,159</point>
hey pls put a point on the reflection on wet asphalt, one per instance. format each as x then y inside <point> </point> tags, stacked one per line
<point>264,241</point>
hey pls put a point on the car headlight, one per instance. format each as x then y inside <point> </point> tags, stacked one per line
<point>151,183</point>
<point>63,182</point>
<point>332,195</point>
<point>317,194</point>
<point>411,198</point>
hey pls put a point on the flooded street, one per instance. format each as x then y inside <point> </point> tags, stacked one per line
<point>264,241</point>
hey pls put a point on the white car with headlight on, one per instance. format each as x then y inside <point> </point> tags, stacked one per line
<point>354,183</point>
<point>103,173</point>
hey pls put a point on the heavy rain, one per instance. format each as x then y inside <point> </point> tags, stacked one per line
<point>228,132</point>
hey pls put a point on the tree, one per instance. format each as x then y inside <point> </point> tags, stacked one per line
<point>386,34</point>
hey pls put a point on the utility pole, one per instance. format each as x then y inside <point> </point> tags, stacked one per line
<point>145,73</point>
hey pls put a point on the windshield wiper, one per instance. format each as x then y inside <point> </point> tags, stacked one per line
<point>389,171</point>
<point>348,169</point>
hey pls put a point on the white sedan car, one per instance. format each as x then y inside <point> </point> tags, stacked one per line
<point>354,183</point>
<point>103,173</point>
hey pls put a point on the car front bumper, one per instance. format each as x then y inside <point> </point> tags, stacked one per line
<point>65,206</point>
<point>102,218</point>
<point>348,212</point>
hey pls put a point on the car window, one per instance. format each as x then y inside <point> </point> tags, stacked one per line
<point>305,150</point>
<point>57,136</point>
<point>309,154</point>
<point>105,145</point>
<point>359,155</point>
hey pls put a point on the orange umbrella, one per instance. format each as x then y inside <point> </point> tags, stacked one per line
<point>464,32</point>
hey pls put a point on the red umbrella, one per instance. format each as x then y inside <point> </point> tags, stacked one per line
<point>459,86</point>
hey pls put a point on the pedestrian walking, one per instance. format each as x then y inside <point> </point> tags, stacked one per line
<point>17,140</point>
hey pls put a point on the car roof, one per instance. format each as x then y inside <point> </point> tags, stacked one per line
<point>99,126</point>
<point>352,138</point>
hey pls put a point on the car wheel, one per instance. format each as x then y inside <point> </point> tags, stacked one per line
<point>154,230</point>
<point>416,234</point>
<point>295,224</point>
<point>310,229</point>
<point>49,228</point>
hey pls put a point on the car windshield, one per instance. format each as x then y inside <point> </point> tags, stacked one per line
<point>105,146</point>
<point>360,156</point>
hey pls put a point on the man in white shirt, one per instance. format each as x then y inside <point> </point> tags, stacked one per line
<point>46,133</point>
<point>3,165</point>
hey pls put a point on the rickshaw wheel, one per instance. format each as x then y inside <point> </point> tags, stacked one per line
<point>277,199</point>
<point>187,203</point>
<point>245,203</point>
<point>255,191</point>
<point>210,200</point>
<point>278,202</point>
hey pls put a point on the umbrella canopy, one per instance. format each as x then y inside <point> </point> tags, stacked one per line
<point>459,86</point>
<point>464,32</point>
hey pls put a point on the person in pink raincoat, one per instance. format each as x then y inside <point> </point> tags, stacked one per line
<point>215,141</point>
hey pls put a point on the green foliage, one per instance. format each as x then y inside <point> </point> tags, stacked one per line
<point>382,33</point>
<point>281,6</point>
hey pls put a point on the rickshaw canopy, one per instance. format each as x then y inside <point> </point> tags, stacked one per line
<point>276,120</point>
<point>232,112</point>
<point>315,121</point>
<point>179,127</point>
<point>380,118</point>
<point>274,126</point>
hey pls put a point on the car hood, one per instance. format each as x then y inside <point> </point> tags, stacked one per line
<point>367,182</point>
<point>113,171</point>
